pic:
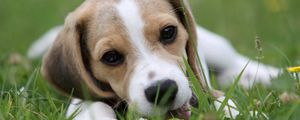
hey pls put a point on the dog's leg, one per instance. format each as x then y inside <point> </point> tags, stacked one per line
<point>222,58</point>
<point>91,110</point>
<point>217,52</point>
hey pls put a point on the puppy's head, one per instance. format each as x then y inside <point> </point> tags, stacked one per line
<point>127,49</point>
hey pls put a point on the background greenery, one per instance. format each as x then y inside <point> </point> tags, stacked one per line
<point>276,22</point>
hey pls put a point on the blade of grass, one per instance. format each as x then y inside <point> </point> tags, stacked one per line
<point>157,94</point>
<point>74,114</point>
<point>291,111</point>
<point>51,102</point>
<point>203,101</point>
<point>231,90</point>
<point>192,38</point>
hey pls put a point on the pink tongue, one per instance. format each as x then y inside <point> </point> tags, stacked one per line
<point>183,112</point>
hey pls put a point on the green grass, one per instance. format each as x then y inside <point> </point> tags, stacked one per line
<point>276,22</point>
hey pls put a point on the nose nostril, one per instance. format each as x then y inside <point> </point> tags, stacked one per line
<point>162,92</point>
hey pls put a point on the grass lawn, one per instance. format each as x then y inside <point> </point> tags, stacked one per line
<point>276,22</point>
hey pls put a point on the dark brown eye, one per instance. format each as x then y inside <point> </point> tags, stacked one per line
<point>112,58</point>
<point>168,35</point>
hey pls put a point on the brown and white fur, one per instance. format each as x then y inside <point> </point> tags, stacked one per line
<point>132,27</point>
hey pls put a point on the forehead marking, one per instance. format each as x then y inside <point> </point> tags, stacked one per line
<point>131,17</point>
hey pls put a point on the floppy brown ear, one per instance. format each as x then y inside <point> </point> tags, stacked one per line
<point>185,15</point>
<point>66,65</point>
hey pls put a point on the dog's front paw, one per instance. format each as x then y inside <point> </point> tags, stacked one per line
<point>86,110</point>
<point>254,73</point>
<point>230,110</point>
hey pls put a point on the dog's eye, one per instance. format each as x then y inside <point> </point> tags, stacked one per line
<point>112,58</point>
<point>168,35</point>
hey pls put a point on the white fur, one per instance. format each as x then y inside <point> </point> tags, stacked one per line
<point>148,62</point>
<point>221,56</point>
<point>230,108</point>
<point>132,19</point>
<point>91,110</point>
<point>139,82</point>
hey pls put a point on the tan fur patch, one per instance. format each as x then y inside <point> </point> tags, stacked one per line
<point>158,14</point>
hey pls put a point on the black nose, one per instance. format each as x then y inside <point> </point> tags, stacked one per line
<point>162,92</point>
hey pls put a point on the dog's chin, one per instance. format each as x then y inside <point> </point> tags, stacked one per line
<point>182,111</point>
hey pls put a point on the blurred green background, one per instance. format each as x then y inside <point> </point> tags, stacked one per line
<point>276,22</point>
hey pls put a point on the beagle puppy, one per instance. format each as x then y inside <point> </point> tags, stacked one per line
<point>121,53</point>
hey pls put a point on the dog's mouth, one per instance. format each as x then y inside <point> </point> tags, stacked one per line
<point>184,112</point>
